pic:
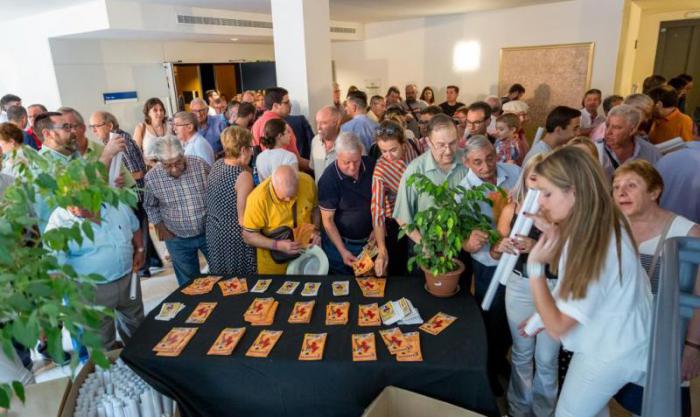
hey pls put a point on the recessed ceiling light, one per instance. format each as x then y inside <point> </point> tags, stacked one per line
<point>234,39</point>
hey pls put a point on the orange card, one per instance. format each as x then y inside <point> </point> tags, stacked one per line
<point>394,340</point>
<point>201,285</point>
<point>258,309</point>
<point>372,287</point>
<point>438,323</point>
<point>301,313</point>
<point>363,347</point>
<point>413,353</point>
<point>337,313</point>
<point>200,313</point>
<point>312,347</point>
<point>269,318</point>
<point>368,315</point>
<point>227,341</point>
<point>175,341</point>
<point>233,286</point>
<point>264,343</point>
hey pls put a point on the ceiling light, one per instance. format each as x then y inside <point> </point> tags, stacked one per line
<point>466,56</point>
<point>234,39</point>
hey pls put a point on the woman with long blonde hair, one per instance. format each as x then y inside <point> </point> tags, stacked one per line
<point>601,306</point>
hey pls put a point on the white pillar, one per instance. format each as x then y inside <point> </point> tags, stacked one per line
<point>301,33</point>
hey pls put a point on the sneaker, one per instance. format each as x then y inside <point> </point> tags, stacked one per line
<point>155,270</point>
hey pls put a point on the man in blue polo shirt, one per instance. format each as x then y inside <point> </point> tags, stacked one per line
<point>344,196</point>
<point>361,125</point>
<point>210,127</point>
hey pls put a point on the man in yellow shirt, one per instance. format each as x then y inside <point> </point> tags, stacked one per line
<point>272,205</point>
<point>669,122</point>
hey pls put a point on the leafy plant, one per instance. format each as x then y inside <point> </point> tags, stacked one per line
<point>445,225</point>
<point>36,292</point>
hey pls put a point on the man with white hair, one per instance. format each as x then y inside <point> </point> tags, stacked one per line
<point>620,143</point>
<point>185,125</point>
<point>323,144</point>
<point>482,161</point>
<point>174,198</point>
<point>345,196</point>
<point>209,127</point>
<point>286,199</point>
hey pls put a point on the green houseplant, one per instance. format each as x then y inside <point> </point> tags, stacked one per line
<point>444,226</point>
<point>36,292</point>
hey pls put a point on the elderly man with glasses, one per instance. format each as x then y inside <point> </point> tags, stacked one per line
<point>209,127</point>
<point>185,125</point>
<point>174,198</point>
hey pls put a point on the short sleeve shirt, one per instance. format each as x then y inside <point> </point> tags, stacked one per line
<point>350,199</point>
<point>264,212</point>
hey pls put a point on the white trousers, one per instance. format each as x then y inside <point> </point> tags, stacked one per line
<point>530,392</point>
<point>590,384</point>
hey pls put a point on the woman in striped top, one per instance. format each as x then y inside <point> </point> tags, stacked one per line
<point>396,154</point>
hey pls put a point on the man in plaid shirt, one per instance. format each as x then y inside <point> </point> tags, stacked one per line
<point>174,198</point>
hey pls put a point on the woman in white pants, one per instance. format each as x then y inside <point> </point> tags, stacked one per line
<point>601,305</point>
<point>530,392</point>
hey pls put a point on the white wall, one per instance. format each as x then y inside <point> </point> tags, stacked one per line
<point>87,68</point>
<point>420,50</point>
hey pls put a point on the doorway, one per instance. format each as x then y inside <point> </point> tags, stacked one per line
<point>678,52</point>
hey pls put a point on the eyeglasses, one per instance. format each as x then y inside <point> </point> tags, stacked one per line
<point>181,124</point>
<point>65,127</point>
<point>285,102</point>
<point>96,126</point>
<point>444,146</point>
<point>199,111</point>
<point>476,123</point>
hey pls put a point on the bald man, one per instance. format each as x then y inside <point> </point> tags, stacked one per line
<point>283,197</point>
<point>323,144</point>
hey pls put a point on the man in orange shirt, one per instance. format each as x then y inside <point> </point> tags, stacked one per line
<point>278,106</point>
<point>669,122</point>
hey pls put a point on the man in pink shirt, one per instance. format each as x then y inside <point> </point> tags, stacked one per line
<point>277,106</point>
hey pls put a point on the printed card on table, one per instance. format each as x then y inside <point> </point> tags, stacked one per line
<point>364,347</point>
<point>301,312</point>
<point>201,285</point>
<point>227,341</point>
<point>173,343</point>
<point>438,323</point>
<point>233,286</point>
<point>201,313</point>
<point>372,287</point>
<point>261,285</point>
<point>312,347</point>
<point>337,313</point>
<point>168,311</point>
<point>258,309</point>
<point>341,288</point>
<point>269,317</point>
<point>288,287</point>
<point>264,343</point>
<point>368,315</point>
<point>311,289</point>
<point>413,353</point>
<point>394,340</point>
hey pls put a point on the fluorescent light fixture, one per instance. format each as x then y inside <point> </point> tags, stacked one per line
<point>234,39</point>
<point>466,56</point>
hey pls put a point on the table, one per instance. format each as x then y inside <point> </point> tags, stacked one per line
<point>453,367</point>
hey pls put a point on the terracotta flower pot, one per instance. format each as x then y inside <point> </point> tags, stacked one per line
<point>444,285</point>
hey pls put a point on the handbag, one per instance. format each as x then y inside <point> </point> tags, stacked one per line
<point>284,233</point>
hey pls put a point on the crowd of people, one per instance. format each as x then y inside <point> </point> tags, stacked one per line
<point>230,183</point>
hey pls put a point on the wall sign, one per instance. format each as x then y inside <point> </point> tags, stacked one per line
<point>119,97</point>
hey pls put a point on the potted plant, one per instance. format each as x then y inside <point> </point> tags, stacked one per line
<point>443,227</point>
<point>37,293</point>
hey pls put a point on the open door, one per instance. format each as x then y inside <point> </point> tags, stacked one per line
<point>173,106</point>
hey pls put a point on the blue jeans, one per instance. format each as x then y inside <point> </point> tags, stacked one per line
<point>185,256</point>
<point>335,261</point>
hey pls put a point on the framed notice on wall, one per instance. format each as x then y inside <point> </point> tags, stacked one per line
<point>552,75</point>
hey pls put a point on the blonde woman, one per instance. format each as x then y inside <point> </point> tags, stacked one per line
<point>529,392</point>
<point>601,306</point>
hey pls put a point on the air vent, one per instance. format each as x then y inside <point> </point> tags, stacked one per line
<point>338,29</point>
<point>222,21</point>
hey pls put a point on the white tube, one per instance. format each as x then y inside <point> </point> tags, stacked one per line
<point>538,135</point>
<point>157,408</point>
<point>507,262</point>
<point>132,286</point>
<point>133,408</point>
<point>147,405</point>
<point>168,405</point>
<point>534,324</point>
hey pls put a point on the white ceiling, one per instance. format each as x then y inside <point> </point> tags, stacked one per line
<point>344,10</point>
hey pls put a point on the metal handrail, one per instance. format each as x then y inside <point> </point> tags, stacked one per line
<point>672,311</point>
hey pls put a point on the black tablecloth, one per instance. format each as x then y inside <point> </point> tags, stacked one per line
<point>453,367</point>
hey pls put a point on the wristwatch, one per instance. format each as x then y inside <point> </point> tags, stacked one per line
<point>139,250</point>
<point>535,270</point>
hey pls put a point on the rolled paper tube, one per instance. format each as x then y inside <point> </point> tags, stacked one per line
<point>109,410</point>
<point>534,323</point>
<point>168,405</point>
<point>507,262</point>
<point>101,411</point>
<point>119,411</point>
<point>132,287</point>
<point>538,135</point>
<point>133,407</point>
<point>155,395</point>
<point>147,405</point>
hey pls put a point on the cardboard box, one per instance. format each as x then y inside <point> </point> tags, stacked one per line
<point>397,402</point>
<point>68,406</point>
<point>43,399</point>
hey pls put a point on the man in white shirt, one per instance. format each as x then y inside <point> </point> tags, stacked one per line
<point>211,96</point>
<point>185,126</point>
<point>7,101</point>
<point>590,117</point>
<point>323,144</point>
